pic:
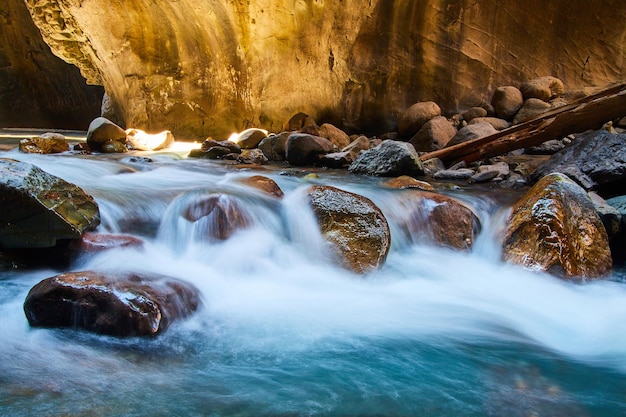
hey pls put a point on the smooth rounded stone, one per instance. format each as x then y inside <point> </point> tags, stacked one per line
<point>46,143</point>
<point>611,216</point>
<point>142,141</point>
<point>596,161</point>
<point>112,146</point>
<point>484,176</point>
<point>549,147</point>
<point>389,159</point>
<point>252,156</point>
<point>436,219</point>
<point>214,152</point>
<point>460,174</point>
<point>507,101</point>
<point>501,168</point>
<point>250,138</point>
<point>37,208</point>
<point>433,165</point>
<point>274,146</point>
<point>262,183</point>
<point>304,149</point>
<point>92,242</point>
<point>413,118</point>
<point>209,143</point>
<point>532,107</point>
<point>361,143</point>
<point>216,216</point>
<point>470,132</point>
<point>119,304</point>
<point>543,88</point>
<point>497,123</point>
<point>473,113</point>
<point>299,121</point>
<point>554,227</point>
<point>102,130</point>
<point>433,135</point>
<point>353,225</point>
<point>338,137</point>
<point>404,181</point>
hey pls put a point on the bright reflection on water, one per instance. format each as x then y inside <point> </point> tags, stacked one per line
<point>285,332</point>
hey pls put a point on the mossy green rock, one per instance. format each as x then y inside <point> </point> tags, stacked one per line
<point>37,208</point>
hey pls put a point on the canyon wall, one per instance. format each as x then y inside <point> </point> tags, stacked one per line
<point>211,67</point>
<point>38,89</point>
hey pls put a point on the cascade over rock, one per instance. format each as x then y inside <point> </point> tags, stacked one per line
<point>202,68</point>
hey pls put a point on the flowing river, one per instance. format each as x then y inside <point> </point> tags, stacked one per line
<point>284,332</point>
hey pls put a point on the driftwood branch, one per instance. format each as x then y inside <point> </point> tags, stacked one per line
<point>587,113</point>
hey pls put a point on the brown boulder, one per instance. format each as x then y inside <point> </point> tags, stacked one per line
<point>472,131</point>
<point>354,226</point>
<point>216,216</point>
<point>299,121</point>
<point>474,112</point>
<point>304,149</point>
<point>274,146</point>
<point>338,137</point>
<point>430,218</point>
<point>121,304</point>
<point>497,123</point>
<point>250,138</point>
<point>413,118</point>
<point>544,88</point>
<point>102,130</point>
<point>507,101</point>
<point>142,141</point>
<point>265,184</point>
<point>433,135</point>
<point>531,108</point>
<point>555,228</point>
<point>404,181</point>
<point>47,143</point>
<point>37,209</point>
<point>252,156</point>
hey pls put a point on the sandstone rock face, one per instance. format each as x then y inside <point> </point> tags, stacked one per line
<point>353,225</point>
<point>37,208</point>
<point>203,68</point>
<point>124,304</point>
<point>38,89</point>
<point>555,228</point>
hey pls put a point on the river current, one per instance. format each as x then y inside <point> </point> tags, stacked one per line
<point>285,332</point>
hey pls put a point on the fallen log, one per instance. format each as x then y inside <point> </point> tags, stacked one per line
<point>587,113</point>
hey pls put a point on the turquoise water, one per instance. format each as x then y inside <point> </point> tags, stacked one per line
<point>285,332</point>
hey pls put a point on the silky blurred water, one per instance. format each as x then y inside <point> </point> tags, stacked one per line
<point>284,331</point>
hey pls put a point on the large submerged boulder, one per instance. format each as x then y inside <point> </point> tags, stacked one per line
<point>353,225</point>
<point>118,304</point>
<point>556,228</point>
<point>37,208</point>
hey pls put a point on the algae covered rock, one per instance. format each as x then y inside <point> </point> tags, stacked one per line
<point>37,208</point>
<point>556,228</point>
<point>353,225</point>
<point>118,304</point>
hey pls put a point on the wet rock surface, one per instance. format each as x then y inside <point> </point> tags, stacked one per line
<point>37,209</point>
<point>353,225</point>
<point>555,228</point>
<point>390,158</point>
<point>117,304</point>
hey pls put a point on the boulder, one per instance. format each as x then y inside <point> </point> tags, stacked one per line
<point>611,216</point>
<point>274,146</point>
<point>596,161</point>
<point>252,156</point>
<point>210,143</point>
<point>474,112</point>
<point>460,174</point>
<point>413,118</point>
<point>554,227</point>
<point>432,166</point>
<point>250,138</point>
<point>111,146</point>
<point>142,141</point>
<point>117,304</point>
<point>361,143</point>
<point>404,181</point>
<point>497,123</point>
<point>435,219</point>
<point>353,225</point>
<point>37,209</point>
<point>433,135</point>
<point>507,101</point>
<point>216,217</point>
<point>304,149</point>
<point>543,88</point>
<point>549,147</point>
<point>46,143</point>
<point>299,121</point>
<point>214,152</point>
<point>389,159</point>
<point>532,107</point>
<point>338,137</point>
<point>470,132</point>
<point>265,184</point>
<point>337,160</point>
<point>102,130</point>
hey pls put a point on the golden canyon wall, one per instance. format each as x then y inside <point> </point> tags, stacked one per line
<point>210,67</point>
